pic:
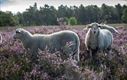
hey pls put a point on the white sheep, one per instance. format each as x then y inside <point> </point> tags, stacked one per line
<point>110,28</point>
<point>64,41</point>
<point>98,39</point>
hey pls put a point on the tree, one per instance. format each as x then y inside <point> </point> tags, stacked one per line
<point>81,14</point>
<point>109,14</point>
<point>64,11</point>
<point>72,21</point>
<point>124,16</point>
<point>48,15</point>
<point>7,19</point>
<point>119,12</point>
<point>92,14</point>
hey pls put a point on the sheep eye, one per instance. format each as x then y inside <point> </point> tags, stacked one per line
<point>99,26</point>
<point>17,31</point>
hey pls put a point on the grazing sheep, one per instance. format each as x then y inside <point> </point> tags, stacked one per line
<point>110,28</point>
<point>64,41</point>
<point>98,39</point>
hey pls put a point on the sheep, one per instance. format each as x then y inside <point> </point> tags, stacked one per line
<point>110,28</point>
<point>65,41</point>
<point>98,39</point>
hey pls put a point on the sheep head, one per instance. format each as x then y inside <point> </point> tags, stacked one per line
<point>21,33</point>
<point>93,28</point>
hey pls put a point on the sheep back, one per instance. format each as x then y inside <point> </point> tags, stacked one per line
<point>64,41</point>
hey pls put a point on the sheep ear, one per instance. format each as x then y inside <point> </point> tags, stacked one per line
<point>87,27</point>
<point>100,25</point>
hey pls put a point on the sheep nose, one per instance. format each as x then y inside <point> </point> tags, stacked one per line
<point>14,38</point>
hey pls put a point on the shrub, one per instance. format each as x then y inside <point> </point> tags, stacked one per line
<point>15,63</point>
<point>8,19</point>
<point>124,16</point>
<point>72,21</point>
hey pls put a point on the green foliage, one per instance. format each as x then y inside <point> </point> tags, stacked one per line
<point>109,14</point>
<point>48,15</point>
<point>124,17</point>
<point>119,12</point>
<point>72,21</point>
<point>7,19</point>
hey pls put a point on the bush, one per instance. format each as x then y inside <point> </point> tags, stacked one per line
<point>8,19</point>
<point>124,16</point>
<point>72,21</point>
<point>16,64</point>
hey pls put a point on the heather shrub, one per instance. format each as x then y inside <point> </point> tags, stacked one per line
<point>15,62</point>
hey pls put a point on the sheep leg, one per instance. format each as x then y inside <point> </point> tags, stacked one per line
<point>34,55</point>
<point>67,53</point>
<point>107,51</point>
<point>90,52</point>
<point>93,55</point>
<point>76,57</point>
<point>63,54</point>
<point>75,54</point>
<point>95,60</point>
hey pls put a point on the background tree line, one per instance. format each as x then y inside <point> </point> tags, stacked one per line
<point>48,15</point>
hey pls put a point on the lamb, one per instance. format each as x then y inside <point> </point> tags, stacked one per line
<point>98,38</point>
<point>64,41</point>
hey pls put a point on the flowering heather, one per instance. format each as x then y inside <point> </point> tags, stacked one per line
<point>15,62</point>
